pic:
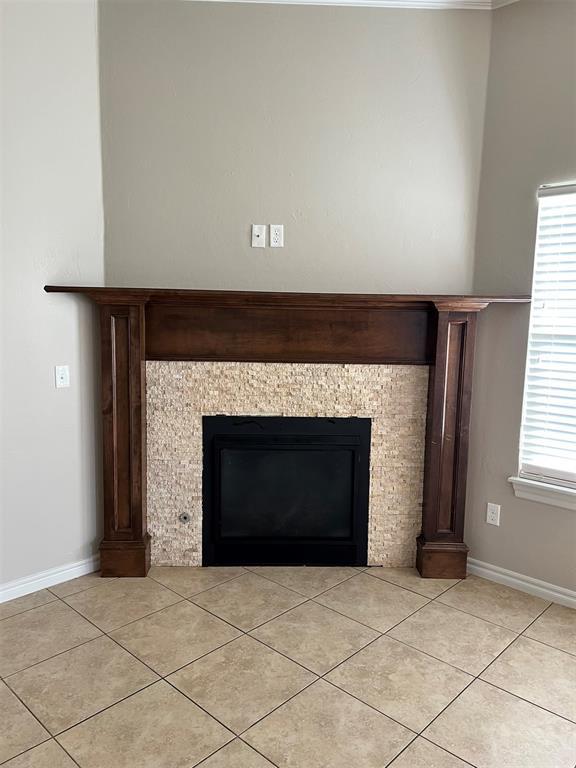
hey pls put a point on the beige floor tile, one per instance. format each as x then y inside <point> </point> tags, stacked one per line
<point>36,635</point>
<point>409,578</point>
<point>315,636</point>
<point>538,673</point>
<point>308,581</point>
<point>47,755</point>
<point>188,581</point>
<point>67,588</point>
<point>323,727</point>
<point>401,682</point>
<point>156,728</point>
<point>19,730</point>
<point>248,601</point>
<point>175,636</point>
<point>241,682</point>
<point>557,627</point>
<point>120,601</point>
<point>236,755</point>
<point>373,602</point>
<point>457,638</point>
<point>494,602</point>
<point>65,689</point>
<point>21,604</point>
<point>423,754</point>
<point>493,729</point>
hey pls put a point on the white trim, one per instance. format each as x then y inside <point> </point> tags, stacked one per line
<point>545,493</point>
<point>465,5</point>
<point>20,587</point>
<point>542,589</point>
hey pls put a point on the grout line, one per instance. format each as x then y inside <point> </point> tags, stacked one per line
<point>516,695</point>
<point>482,618</point>
<point>223,747</point>
<point>309,685</point>
<point>54,656</point>
<point>104,709</point>
<point>27,610</point>
<point>553,647</point>
<point>408,589</point>
<point>466,762</point>
<point>187,597</point>
<point>371,706</point>
<point>251,746</point>
<point>475,679</point>
<point>133,621</point>
<point>193,661</point>
<point>292,589</point>
<point>246,631</point>
<point>431,655</point>
<point>104,579</point>
<point>67,753</point>
<point>49,735</point>
<point>28,749</point>
<point>404,749</point>
<point>368,626</point>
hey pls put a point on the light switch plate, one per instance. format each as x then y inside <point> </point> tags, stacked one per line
<point>61,376</point>
<point>258,235</point>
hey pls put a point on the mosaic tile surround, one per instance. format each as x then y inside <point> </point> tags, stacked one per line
<point>180,393</point>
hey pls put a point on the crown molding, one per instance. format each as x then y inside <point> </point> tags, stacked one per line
<point>466,5</point>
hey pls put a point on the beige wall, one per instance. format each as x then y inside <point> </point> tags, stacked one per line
<point>530,139</point>
<point>358,129</point>
<point>52,232</point>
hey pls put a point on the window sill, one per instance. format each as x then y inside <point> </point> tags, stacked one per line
<point>545,493</point>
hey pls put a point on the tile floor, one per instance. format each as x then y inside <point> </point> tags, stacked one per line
<point>286,667</point>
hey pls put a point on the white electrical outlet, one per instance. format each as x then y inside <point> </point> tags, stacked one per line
<point>493,514</point>
<point>258,235</point>
<point>276,235</point>
<point>61,376</point>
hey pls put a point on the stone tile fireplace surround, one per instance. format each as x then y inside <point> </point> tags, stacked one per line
<point>180,393</point>
<point>145,325</point>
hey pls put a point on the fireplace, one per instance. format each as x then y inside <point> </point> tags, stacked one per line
<point>285,490</point>
<point>139,326</point>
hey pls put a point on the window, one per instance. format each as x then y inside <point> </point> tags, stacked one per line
<point>548,435</point>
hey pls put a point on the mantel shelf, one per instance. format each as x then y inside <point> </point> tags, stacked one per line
<point>344,301</point>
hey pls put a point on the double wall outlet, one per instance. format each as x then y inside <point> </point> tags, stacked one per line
<point>493,514</point>
<point>276,235</point>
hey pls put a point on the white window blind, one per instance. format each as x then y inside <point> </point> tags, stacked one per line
<point>548,435</point>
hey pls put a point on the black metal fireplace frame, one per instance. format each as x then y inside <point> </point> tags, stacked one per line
<point>294,433</point>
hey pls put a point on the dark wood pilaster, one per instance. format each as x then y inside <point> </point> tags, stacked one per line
<point>441,551</point>
<point>125,548</point>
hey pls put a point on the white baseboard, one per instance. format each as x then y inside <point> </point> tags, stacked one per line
<point>535,587</point>
<point>21,587</point>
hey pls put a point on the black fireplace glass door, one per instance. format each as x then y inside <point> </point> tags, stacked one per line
<point>285,490</point>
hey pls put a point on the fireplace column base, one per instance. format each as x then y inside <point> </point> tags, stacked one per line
<point>125,558</point>
<point>441,560</point>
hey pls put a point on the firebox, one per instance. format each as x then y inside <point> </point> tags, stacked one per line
<point>285,490</point>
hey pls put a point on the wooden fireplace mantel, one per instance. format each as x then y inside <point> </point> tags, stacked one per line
<point>139,324</point>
